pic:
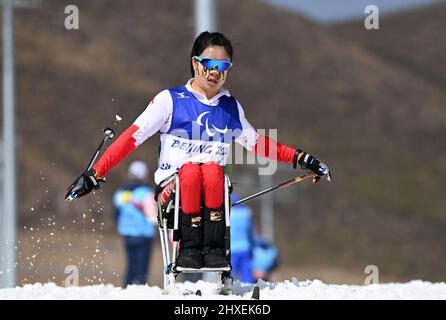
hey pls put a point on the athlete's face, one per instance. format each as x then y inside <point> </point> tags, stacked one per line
<point>210,81</point>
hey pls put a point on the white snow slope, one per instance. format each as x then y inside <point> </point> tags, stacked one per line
<point>287,290</point>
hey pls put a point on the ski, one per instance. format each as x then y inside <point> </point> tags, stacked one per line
<point>187,292</point>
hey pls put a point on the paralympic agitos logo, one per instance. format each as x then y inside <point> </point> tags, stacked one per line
<point>206,125</point>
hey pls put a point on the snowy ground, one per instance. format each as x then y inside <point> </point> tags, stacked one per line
<point>287,290</point>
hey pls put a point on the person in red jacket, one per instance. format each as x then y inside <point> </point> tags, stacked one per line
<point>197,122</point>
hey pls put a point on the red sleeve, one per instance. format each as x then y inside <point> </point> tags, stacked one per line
<point>279,152</point>
<point>117,151</point>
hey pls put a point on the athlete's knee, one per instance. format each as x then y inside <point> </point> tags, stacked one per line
<point>190,174</point>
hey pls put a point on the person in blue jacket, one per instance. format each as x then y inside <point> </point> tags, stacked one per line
<point>265,258</point>
<point>135,213</point>
<point>241,241</point>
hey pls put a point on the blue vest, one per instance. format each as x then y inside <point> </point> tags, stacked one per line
<point>213,121</point>
<point>198,132</point>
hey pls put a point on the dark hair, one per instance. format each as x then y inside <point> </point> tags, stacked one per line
<point>207,39</point>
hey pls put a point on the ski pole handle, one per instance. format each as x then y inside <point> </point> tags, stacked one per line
<point>71,197</point>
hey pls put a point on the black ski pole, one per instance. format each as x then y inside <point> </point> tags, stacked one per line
<point>108,134</point>
<point>279,186</point>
